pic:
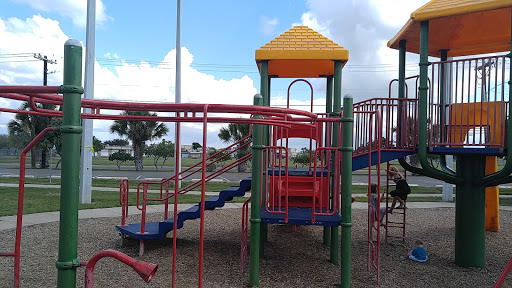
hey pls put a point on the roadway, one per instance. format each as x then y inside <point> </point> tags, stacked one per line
<point>99,171</point>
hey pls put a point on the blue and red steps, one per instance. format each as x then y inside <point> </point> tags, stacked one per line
<point>154,230</point>
<point>299,211</point>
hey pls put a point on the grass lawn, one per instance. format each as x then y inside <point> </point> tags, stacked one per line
<point>210,186</point>
<point>47,199</point>
<point>38,200</point>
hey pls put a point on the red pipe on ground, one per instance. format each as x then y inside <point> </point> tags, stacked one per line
<point>145,270</point>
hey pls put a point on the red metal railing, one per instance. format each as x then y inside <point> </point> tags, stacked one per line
<point>504,274</point>
<point>467,104</point>
<point>123,200</point>
<point>244,235</point>
<point>276,185</point>
<point>389,122</point>
<point>19,214</point>
<point>374,138</point>
<point>326,161</point>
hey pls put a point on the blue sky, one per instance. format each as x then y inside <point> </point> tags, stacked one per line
<point>135,47</point>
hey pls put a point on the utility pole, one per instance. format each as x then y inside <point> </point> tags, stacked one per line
<point>45,67</point>
<point>32,130</point>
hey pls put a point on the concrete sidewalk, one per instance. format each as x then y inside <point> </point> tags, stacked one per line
<point>9,222</point>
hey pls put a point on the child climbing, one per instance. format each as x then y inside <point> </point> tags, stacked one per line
<point>401,191</point>
<point>419,253</point>
<point>374,203</point>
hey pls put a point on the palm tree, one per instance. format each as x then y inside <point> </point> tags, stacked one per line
<point>24,124</point>
<point>139,132</point>
<point>234,133</point>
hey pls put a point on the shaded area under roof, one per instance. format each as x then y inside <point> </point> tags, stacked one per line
<point>301,52</point>
<point>465,27</point>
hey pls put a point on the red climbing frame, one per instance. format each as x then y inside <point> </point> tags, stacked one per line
<point>192,113</point>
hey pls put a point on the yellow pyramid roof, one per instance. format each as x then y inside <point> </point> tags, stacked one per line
<point>301,52</point>
<point>465,27</point>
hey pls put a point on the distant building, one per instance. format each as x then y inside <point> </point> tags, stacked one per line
<point>109,150</point>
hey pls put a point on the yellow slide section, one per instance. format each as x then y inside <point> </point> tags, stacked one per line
<point>492,201</point>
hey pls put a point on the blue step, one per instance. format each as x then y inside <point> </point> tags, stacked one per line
<point>299,216</point>
<point>151,230</point>
<point>154,230</point>
<point>361,161</point>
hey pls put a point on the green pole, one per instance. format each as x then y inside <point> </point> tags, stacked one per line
<point>338,65</point>
<point>346,196</point>
<point>427,170</point>
<point>401,86</point>
<point>257,148</point>
<point>71,130</point>
<point>470,212</point>
<point>265,93</point>
<point>442,85</point>
<point>328,109</point>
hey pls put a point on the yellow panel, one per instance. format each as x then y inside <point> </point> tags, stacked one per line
<point>300,43</point>
<point>465,27</point>
<point>492,197</point>
<point>475,114</point>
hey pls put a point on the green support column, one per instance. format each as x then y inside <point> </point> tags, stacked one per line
<point>401,86</point>
<point>470,212</point>
<point>265,93</point>
<point>442,96</point>
<point>255,220</point>
<point>346,182</point>
<point>328,109</point>
<point>71,130</point>
<point>338,65</point>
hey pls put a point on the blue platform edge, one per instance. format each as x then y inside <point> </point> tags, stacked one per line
<point>155,230</point>
<point>468,150</point>
<point>300,216</point>
<point>360,162</point>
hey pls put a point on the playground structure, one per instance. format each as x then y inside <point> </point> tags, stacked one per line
<point>457,107</point>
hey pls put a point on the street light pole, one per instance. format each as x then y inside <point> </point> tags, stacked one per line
<point>177,88</point>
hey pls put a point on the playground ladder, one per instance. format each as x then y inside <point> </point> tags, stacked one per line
<point>398,222</point>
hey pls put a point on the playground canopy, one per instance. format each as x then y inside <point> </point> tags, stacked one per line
<point>464,27</point>
<point>301,52</point>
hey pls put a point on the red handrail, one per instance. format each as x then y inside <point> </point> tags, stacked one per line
<point>504,274</point>
<point>19,214</point>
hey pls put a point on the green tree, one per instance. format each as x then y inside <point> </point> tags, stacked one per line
<point>302,157</point>
<point>162,150</point>
<point>26,124</point>
<point>196,146</point>
<point>221,157</point>
<point>120,157</point>
<point>97,145</point>
<point>116,142</point>
<point>139,132</point>
<point>234,133</point>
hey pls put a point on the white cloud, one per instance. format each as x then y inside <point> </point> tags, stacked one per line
<point>76,10</point>
<point>139,82</point>
<point>268,25</point>
<point>363,27</point>
<point>312,22</point>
